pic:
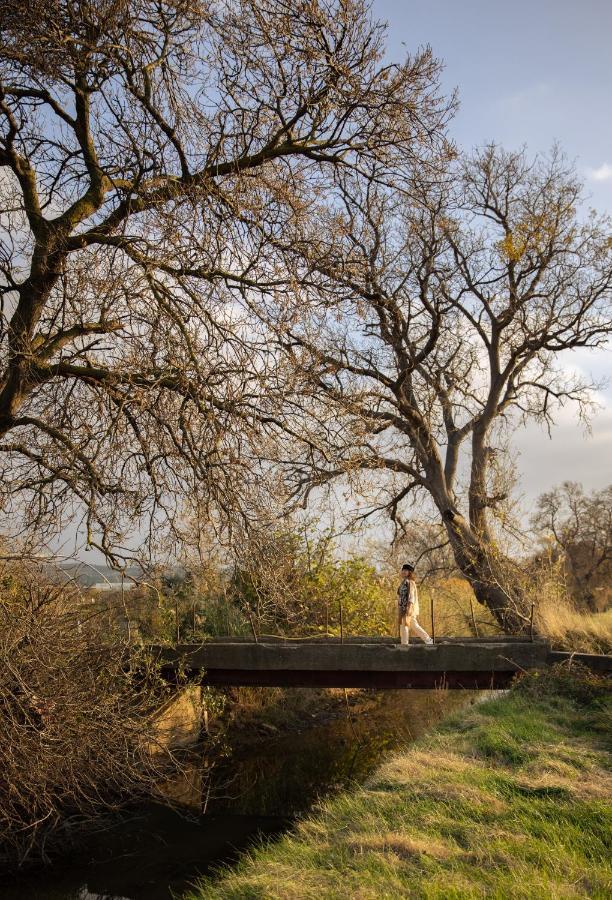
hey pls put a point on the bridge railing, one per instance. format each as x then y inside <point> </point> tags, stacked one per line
<point>190,621</point>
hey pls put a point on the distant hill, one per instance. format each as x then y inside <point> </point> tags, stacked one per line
<point>87,575</point>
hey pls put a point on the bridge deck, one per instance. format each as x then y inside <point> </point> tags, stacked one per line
<point>362,662</point>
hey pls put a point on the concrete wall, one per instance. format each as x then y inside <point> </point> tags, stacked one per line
<point>179,722</point>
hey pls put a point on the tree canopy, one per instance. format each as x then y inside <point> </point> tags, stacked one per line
<point>152,153</point>
<point>430,322</point>
<point>238,253</point>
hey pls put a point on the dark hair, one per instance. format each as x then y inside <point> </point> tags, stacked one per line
<point>407,567</point>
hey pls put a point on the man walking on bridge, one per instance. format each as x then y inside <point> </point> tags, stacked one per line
<point>408,606</point>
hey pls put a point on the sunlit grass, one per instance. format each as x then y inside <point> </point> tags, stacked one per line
<point>556,617</point>
<point>567,626</point>
<point>456,612</point>
<point>510,799</point>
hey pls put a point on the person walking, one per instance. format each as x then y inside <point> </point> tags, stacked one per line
<point>408,606</point>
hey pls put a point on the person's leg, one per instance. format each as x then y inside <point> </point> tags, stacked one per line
<point>404,629</point>
<point>420,631</point>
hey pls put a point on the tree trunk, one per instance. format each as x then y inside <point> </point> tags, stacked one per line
<point>496,579</point>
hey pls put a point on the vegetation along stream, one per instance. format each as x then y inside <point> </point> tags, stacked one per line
<point>256,790</point>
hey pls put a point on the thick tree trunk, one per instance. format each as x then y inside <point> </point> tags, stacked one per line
<point>495,578</point>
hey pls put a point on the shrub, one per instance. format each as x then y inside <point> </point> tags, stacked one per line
<point>74,717</point>
<point>572,680</point>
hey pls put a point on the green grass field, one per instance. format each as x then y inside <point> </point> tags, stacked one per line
<point>509,799</point>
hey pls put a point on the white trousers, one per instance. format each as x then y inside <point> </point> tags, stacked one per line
<point>412,622</point>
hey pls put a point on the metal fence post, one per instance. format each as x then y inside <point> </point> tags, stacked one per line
<point>433,620</point>
<point>125,609</point>
<point>252,623</point>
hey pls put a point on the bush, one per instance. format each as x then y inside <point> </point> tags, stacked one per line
<point>578,683</point>
<point>294,584</point>
<point>74,720</point>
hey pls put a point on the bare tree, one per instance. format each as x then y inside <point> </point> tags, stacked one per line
<point>151,150</point>
<point>580,527</point>
<point>430,324</point>
<point>425,544</point>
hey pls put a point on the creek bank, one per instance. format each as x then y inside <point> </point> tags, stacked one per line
<point>509,799</point>
<point>318,753</point>
<point>259,785</point>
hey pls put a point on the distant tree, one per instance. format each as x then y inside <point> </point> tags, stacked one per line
<point>430,322</point>
<point>579,526</point>
<point>151,153</point>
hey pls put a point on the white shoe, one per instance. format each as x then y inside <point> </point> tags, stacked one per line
<point>429,641</point>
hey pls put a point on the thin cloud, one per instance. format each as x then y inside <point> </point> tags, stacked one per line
<point>603,173</point>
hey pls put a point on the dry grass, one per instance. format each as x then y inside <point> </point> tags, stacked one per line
<point>556,615</point>
<point>401,844</point>
<point>456,610</point>
<point>568,627</point>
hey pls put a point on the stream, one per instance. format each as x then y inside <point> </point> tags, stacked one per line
<point>156,852</point>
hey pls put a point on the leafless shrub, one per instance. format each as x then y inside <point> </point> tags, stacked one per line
<point>75,737</point>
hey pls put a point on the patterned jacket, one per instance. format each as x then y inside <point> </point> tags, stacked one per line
<point>408,593</point>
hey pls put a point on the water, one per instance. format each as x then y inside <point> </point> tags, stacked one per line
<point>156,853</point>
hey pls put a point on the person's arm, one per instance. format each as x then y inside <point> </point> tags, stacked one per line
<point>412,595</point>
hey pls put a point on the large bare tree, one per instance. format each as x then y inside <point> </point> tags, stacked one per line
<point>151,151</point>
<point>578,527</point>
<point>431,322</point>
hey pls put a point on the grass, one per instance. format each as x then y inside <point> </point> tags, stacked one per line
<point>557,616</point>
<point>457,612</point>
<point>567,626</point>
<point>508,800</point>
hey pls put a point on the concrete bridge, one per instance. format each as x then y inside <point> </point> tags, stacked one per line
<point>362,662</point>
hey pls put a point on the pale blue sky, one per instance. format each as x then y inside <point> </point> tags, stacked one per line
<point>531,73</point>
<point>527,72</point>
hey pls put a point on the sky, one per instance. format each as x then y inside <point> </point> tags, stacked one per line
<point>531,72</point>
